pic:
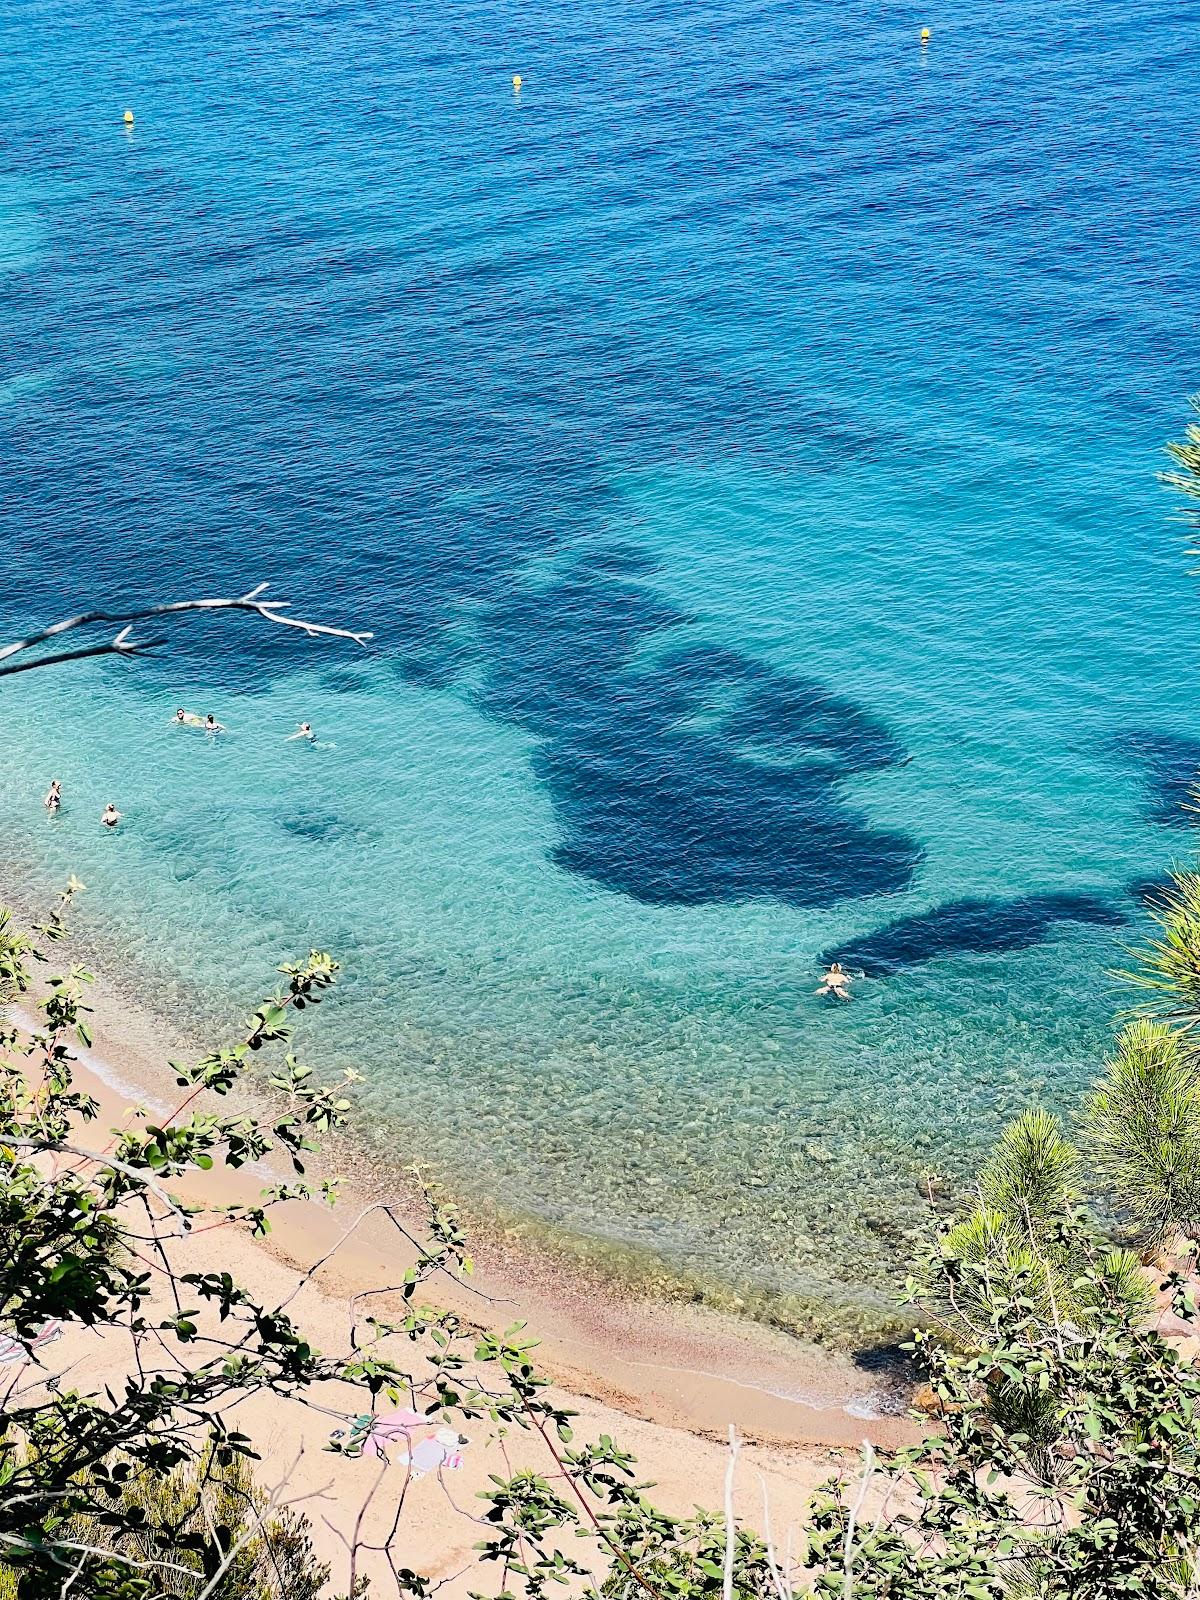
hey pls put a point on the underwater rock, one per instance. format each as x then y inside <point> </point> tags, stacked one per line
<point>963,927</point>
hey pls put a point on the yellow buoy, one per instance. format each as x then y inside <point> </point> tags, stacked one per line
<point>925,36</point>
<point>516,80</point>
<point>129,119</point>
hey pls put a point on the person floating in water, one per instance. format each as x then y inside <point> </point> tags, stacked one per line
<point>303,731</point>
<point>187,719</point>
<point>211,725</point>
<point>110,816</point>
<point>836,982</point>
<point>53,798</point>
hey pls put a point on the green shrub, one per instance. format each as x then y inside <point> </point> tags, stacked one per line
<point>184,1524</point>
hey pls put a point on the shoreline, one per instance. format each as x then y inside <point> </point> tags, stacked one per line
<point>680,1366</point>
<point>674,1364</point>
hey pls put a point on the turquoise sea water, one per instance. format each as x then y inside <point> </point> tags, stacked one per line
<point>742,442</point>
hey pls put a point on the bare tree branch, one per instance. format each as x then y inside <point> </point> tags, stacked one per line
<point>783,1586</point>
<point>735,1445</point>
<point>112,648</point>
<point>848,1551</point>
<point>123,644</point>
<point>101,1160</point>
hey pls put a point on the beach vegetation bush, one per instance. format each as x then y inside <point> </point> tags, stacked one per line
<point>1024,1238</point>
<point>1065,1454</point>
<point>1167,970</point>
<point>1143,1128</point>
<point>167,1536</point>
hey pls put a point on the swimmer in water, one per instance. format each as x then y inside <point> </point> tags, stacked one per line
<point>836,982</point>
<point>187,719</point>
<point>53,797</point>
<point>110,816</point>
<point>303,731</point>
<point>211,725</point>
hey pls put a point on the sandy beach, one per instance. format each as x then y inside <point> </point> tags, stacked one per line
<point>667,1381</point>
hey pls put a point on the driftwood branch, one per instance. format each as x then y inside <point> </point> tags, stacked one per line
<point>124,644</point>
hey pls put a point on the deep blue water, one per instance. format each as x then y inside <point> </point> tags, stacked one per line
<point>742,441</point>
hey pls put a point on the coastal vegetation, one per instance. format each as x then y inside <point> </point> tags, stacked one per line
<point>1061,1449</point>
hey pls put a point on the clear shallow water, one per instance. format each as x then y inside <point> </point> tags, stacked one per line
<point>743,444</point>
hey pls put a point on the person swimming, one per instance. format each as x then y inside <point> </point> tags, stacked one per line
<point>110,816</point>
<point>836,982</point>
<point>187,719</point>
<point>303,731</point>
<point>53,797</point>
<point>211,725</point>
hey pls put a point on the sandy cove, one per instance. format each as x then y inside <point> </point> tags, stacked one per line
<point>667,1382</point>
